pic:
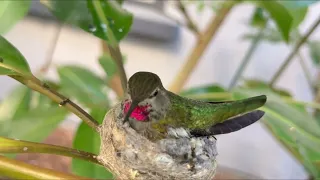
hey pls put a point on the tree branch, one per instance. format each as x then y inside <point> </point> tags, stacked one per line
<point>203,41</point>
<point>18,146</point>
<point>296,48</point>
<point>20,170</point>
<point>44,89</point>
<point>190,24</point>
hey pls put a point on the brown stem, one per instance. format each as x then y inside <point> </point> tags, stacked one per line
<point>44,89</point>
<point>296,48</point>
<point>117,56</point>
<point>190,24</point>
<point>203,41</point>
<point>115,82</point>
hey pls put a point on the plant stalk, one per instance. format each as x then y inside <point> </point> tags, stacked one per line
<point>115,82</point>
<point>19,170</point>
<point>19,146</point>
<point>294,51</point>
<point>190,24</point>
<point>305,70</point>
<point>113,46</point>
<point>203,41</point>
<point>44,89</point>
<point>246,59</point>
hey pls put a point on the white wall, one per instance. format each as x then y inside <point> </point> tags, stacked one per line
<point>252,149</point>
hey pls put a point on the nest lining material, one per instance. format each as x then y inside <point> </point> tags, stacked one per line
<point>128,155</point>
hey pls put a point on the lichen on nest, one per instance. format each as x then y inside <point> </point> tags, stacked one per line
<point>127,154</point>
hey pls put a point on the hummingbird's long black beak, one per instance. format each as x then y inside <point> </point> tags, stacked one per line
<point>133,105</point>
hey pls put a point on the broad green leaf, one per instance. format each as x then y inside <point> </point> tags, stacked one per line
<point>16,104</point>
<point>84,85</point>
<point>12,61</point>
<point>37,124</point>
<point>306,130</point>
<point>108,65</point>
<point>258,19</point>
<point>280,15</point>
<point>84,15</point>
<point>11,12</point>
<point>314,51</point>
<point>257,84</point>
<point>88,140</point>
<point>198,92</point>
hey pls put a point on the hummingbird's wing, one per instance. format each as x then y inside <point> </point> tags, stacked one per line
<point>231,125</point>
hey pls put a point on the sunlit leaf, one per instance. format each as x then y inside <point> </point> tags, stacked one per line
<point>84,15</point>
<point>84,85</point>
<point>314,51</point>
<point>11,11</point>
<point>11,60</point>
<point>88,140</point>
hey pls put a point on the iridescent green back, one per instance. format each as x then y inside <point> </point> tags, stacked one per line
<point>194,114</point>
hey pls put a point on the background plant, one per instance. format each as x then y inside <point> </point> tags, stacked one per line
<point>37,98</point>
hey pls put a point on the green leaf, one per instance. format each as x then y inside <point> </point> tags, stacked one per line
<point>83,85</point>
<point>298,125</point>
<point>16,104</point>
<point>280,15</point>
<point>258,19</point>
<point>89,141</point>
<point>11,60</point>
<point>11,12</point>
<point>108,65</point>
<point>314,51</point>
<point>84,15</point>
<point>37,124</point>
<point>206,90</point>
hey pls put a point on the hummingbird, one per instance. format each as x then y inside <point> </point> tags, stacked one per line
<point>157,113</point>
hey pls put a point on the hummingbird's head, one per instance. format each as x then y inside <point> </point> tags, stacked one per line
<point>146,95</point>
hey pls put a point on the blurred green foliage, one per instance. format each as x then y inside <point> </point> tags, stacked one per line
<point>29,115</point>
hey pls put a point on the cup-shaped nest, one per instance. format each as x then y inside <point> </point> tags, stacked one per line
<point>129,155</point>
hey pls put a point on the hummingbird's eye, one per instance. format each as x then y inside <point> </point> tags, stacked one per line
<point>154,94</point>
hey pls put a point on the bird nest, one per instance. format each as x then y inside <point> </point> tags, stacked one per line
<point>128,155</point>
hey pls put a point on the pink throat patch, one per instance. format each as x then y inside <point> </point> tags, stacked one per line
<point>139,113</point>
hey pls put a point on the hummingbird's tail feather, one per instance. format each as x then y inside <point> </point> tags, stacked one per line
<point>231,125</point>
<point>225,111</point>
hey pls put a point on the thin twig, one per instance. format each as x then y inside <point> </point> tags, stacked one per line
<point>52,49</point>
<point>44,89</point>
<point>8,145</point>
<point>203,41</point>
<point>305,70</point>
<point>247,58</point>
<point>190,24</point>
<point>296,48</point>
